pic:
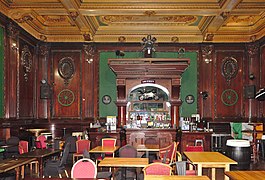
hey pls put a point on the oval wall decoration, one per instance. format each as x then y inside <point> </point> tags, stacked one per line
<point>229,68</point>
<point>66,68</point>
<point>26,61</point>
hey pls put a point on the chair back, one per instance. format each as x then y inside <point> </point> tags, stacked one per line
<point>86,154</point>
<point>72,140</point>
<point>42,139</point>
<point>20,149</point>
<point>194,148</point>
<point>157,169</point>
<point>169,152</point>
<point>12,140</point>
<point>24,145</point>
<point>181,168</point>
<point>65,154</point>
<point>108,142</point>
<point>128,151</point>
<point>81,145</point>
<point>84,168</point>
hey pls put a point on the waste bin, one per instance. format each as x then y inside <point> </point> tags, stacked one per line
<point>239,151</point>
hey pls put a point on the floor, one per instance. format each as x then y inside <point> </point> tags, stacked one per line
<point>260,165</point>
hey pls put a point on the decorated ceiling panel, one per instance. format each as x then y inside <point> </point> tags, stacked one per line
<point>130,20</point>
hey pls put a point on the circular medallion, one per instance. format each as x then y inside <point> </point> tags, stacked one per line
<point>66,97</point>
<point>229,97</point>
<point>66,68</point>
<point>229,68</point>
<point>189,99</point>
<point>106,99</point>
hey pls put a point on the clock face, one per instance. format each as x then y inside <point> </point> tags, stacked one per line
<point>106,99</point>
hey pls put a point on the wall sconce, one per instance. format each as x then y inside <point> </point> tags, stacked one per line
<point>119,53</point>
<point>89,61</point>
<point>204,94</point>
<point>207,53</point>
<point>14,46</point>
<point>89,53</point>
<point>148,44</point>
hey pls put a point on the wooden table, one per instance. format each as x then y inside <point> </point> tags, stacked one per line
<point>245,175</point>
<point>159,177</point>
<point>210,160</point>
<point>41,155</point>
<point>101,149</point>
<point>148,148</point>
<point>123,162</point>
<point>14,163</point>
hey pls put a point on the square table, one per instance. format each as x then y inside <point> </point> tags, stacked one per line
<point>173,177</point>
<point>123,162</point>
<point>210,160</point>
<point>41,155</point>
<point>148,148</point>
<point>102,149</point>
<point>245,175</point>
<point>14,163</point>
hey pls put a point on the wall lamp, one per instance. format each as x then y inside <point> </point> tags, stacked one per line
<point>119,53</point>
<point>14,46</point>
<point>148,44</point>
<point>204,94</point>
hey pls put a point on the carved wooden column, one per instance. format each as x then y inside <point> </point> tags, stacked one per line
<point>11,60</point>
<point>175,102</point>
<point>121,102</point>
<point>252,50</point>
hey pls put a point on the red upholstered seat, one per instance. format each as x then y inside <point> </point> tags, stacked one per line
<point>194,148</point>
<point>157,169</point>
<point>42,140</point>
<point>84,168</point>
<point>107,142</point>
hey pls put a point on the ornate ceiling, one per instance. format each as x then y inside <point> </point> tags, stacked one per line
<point>184,21</point>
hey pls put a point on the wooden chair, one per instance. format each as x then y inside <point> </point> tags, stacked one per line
<point>84,168</point>
<point>23,147</point>
<point>42,139</point>
<point>169,152</point>
<point>81,145</point>
<point>107,142</point>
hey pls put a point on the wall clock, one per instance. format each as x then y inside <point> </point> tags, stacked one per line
<point>106,99</point>
<point>189,99</point>
<point>66,97</point>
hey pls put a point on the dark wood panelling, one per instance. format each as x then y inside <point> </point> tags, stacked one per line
<point>26,79</point>
<point>224,85</point>
<point>71,85</point>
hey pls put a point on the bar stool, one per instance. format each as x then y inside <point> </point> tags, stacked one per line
<point>198,142</point>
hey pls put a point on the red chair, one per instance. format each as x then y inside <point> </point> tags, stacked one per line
<point>107,142</point>
<point>81,145</point>
<point>84,168</point>
<point>170,153</point>
<point>157,169</point>
<point>41,140</point>
<point>194,148</point>
<point>23,148</point>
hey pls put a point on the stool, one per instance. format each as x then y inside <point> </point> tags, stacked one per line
<point>198,141</point>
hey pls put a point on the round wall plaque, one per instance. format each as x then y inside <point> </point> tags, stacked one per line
<point>189,99</point>
<point>106,99</point>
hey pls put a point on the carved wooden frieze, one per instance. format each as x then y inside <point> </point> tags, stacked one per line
<point>26,61</point>
<point>66,69</point>
<point>229,68</point>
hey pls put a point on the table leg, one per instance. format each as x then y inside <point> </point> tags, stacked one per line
<point>18,170</point>
<point>213,173</point>
<point>199,169</point>
<point>147,154</point>
<point>40,167</point>
<point>227,168</point>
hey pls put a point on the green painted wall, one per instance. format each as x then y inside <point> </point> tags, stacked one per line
<point>107,82</point>
<point>1,72</point>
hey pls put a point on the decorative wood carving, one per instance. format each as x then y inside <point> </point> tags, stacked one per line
<point>252,50</point>
<point>229,68</point>
<point>26,61</point>
<point>44,50</point>
<point>12,30</point>
<point>66,69</point>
